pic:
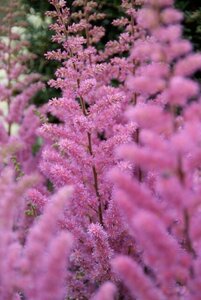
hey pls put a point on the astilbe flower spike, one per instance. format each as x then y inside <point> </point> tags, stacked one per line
<point>18,86</point>
<point>160,198</point>
<point>12,202</point>
<point>46,251</point>
<point>18,118</point>
<point>107,292</point>
<point>80,148</point>
<point>34,267</point>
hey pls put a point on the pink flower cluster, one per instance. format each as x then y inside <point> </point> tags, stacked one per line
<point>160,197</point>
<point>17,89</point>
<point>109,207</point>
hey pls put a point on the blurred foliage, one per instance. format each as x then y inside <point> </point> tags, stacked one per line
<point>192,24</point>
<point>40,36</point>
<point>192,20</point>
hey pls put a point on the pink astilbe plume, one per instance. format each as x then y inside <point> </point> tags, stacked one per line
<point>19,118</point>
<point>79,150</point>
<point>107,292</point>
<point>18,86</point>
<point>12,203</point>
<point>45,254</point>
<point>160,198</point>
<point>134,278</point>
<point>34,267</point>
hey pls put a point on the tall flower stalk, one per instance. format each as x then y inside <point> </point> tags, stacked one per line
<point>80,148</point>
<point>18,86</point>
<point>162,207</point>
